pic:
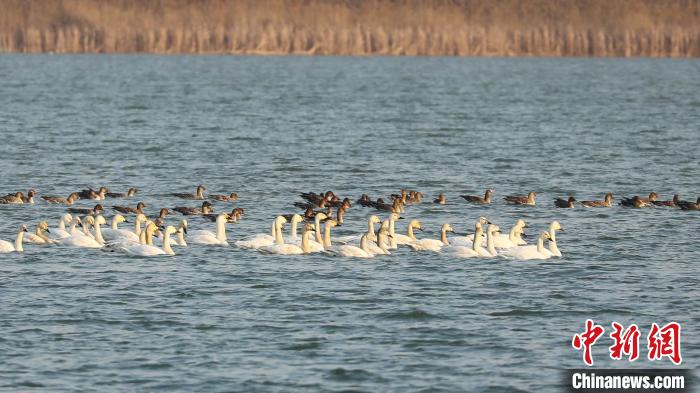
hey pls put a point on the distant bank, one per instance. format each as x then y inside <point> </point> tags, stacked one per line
<point>659,28</point>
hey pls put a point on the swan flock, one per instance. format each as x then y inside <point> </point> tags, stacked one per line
<point>151,236</point>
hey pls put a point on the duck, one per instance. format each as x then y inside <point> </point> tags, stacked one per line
<point>30,196</point>
<point>607,202</point>
<point>94,195</point>
<point>532,251</point>
<point>10,199</point>
<point>528,200</point>
<point>114,234</point>
<point>211,238</point>
<point>341,203</point>
<point>433,244</point>
<point>232,197</point>
<point>318,199</point>
<point>340,214</point>
<point>19,198</point>
<point>128,194</point>
<point>39,236</point>
<point>468,240</point>
<point>60,232</point>
<point>635,202</point>
<point>403,196</point>
<point>159,220</point>
<point>134,210</point>
<point>395,207</point>
<point>672,203</point>
<point>233,217</point>
<point>486,200</point>
<point>199,194</point>
<point>195,211</point>
<point>686,205</point>
<point>59,200</point>
<point>565,203</point>
<point>6,247</point>
<point>441,199</point>
<point>98,209</point>
<point>652,198</point>
<point>148,250</point>
<point>365,201</point>
<point>414,197</point>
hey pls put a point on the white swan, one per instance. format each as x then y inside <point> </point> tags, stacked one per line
<point>85,241</point>
<point>474,251</point>
<point>553,228</point>
<point>114,234</point>
<point>316,245</point>
<point>468,240</point>
<point>433,244</point>
<point>393,244</point>
<point>40,237</point>
<point>282,248</point>
<point>292,238</point>
<point>409,237</point>
<point>381,245</point>
<point>259,240</point>
<point>179,236</point>
<point>148,250</point>
<point>61,232</point>
<point>492,232</point>
<point>530,252</point>
<point>371,236</point>
<point>351,251</point>
<point>512,239</point>
<point>211,238</point>
<point>6,246</point>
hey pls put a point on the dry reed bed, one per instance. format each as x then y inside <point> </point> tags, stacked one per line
<point>334,27</point>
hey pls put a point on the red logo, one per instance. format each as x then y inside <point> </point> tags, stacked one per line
<point>586,340</point>
<point>665,342</point>
<point>625,343</point>
<point>662,342</point>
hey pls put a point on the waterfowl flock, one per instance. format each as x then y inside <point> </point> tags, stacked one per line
<point>82,227</point>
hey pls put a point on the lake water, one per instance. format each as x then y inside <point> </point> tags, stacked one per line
<point>223,319</point>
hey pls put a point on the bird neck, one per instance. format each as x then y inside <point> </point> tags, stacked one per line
<point>221,229</point>
<point>490,244</point>
<point>166,244</point>
<point>477,240</point>
<point>305,246</point>
<point>278,234</point>
<point>327,237</point>
<point>181,238</point>
<point>294,230</point>
<point>410,232</point>
<point>18,241</point>
<point>443,237</point>
<point>540,245</point>
<point>115,223</point>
